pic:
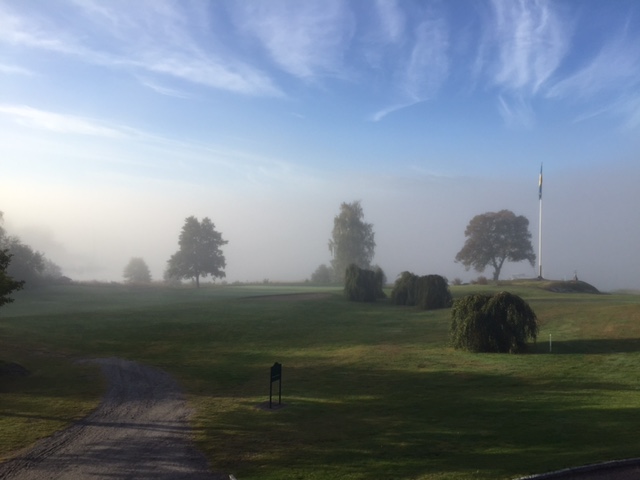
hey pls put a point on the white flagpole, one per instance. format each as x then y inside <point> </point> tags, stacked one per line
<point>540,226</point>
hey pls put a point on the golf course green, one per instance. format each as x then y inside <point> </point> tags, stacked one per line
<point>370,390</point>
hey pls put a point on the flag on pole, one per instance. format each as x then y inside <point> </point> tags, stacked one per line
<point>540,184</point>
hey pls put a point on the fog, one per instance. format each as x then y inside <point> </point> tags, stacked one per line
<point>119,121</point>
<point>590,225</point>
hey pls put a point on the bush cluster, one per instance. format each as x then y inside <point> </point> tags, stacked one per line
<point>500,323</point>
<point>428,292</point>
<point>362,285</point>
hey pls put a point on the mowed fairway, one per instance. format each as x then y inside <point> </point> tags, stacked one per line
<point>370,390</point>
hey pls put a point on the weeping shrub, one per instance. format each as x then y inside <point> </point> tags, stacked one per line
<point>404,290</point>
<point>429,292</point>
<point>362,285</point>
<point>500,323</point>
<point>433,292</point>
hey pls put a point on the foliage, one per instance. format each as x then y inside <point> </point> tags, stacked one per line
<point>362,285</point>
<point>352,240</point>
<point>499,323</point>
<point>7,283</point>
<point>199,253</point>
<point>322,275</point>
<point>428,292</point>
<point>27,265</point>
<point>405,289</point>
<point>137,271</point>
<point>433,292</point>
<point>51,271</point>
<point>493,238</point>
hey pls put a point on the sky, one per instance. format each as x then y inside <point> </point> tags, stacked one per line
<point>120,119</point>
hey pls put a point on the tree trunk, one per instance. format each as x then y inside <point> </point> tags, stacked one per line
<point>197,281</point>
<point>496,274</point>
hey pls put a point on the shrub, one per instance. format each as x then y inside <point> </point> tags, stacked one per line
<point>433,292</point>
<point>428,292</point>
<point>497,323</point>
<point>404,290</point>
<point>362,285</point>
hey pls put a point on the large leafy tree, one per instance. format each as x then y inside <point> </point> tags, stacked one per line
<point>199,253</point>
<point>137,271</point>
<point>352,240</point>
<point>496,237</point>
<point>7,283</point>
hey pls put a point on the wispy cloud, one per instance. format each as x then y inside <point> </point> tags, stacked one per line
<point>421,67</point>
<point>14,70</point>
<point>19,31</point>
<point>59,123</point>
<point>614,68</point>
<point>516,111</point>
<point>531,40</point>
<point>154,37</point>
<point>379,115</point>
<point>306,39</point>
<point>162,90</point>
<point>392,20</point>
<point>428,64</point>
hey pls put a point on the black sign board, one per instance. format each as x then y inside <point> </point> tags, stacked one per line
<point>276,376</point>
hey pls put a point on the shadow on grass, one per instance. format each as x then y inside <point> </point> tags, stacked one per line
<point>359,422</point>
<point>590,346</point>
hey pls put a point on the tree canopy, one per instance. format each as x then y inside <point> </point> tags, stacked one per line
<point>137,271</point>
<point>199,254</point>
<point>352,240</point>
<point>496,237</point>
<point>27,265</point>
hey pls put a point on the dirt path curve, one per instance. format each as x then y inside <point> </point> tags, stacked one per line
<point>139,431</point>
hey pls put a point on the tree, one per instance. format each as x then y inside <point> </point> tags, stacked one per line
<point>322,275</point>
<point>199,253</point>
<point>7,283</point>
<point>26,264</point>
<point>352,240</point>
<point>497,323</point>
<point>137,271</point>
<point>493,238</point>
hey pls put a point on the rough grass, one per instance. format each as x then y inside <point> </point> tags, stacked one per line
<point>370,390</point>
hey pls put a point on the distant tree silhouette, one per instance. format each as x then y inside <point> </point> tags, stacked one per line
<point>199,254</point>
<point>137,271</point>
<point>493,238</point>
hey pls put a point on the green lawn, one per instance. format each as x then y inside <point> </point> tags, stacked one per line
<point>370,390</point>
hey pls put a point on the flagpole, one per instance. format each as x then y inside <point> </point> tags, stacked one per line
<point>540,226</point>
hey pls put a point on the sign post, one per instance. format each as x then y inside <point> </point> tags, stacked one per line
<point>276,376</point>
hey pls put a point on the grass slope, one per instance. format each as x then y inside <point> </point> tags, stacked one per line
<point>371,390</point>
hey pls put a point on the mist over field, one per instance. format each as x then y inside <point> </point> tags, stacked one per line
<point>118,122</point>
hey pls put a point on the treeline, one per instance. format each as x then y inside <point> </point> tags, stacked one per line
<point>26,264</point>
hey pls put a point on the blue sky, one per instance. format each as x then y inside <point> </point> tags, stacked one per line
<point>119,119</point>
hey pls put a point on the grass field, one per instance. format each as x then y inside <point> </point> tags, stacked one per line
<point>370,390</point>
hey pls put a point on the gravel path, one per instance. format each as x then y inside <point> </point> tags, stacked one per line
<point>139,431</point>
